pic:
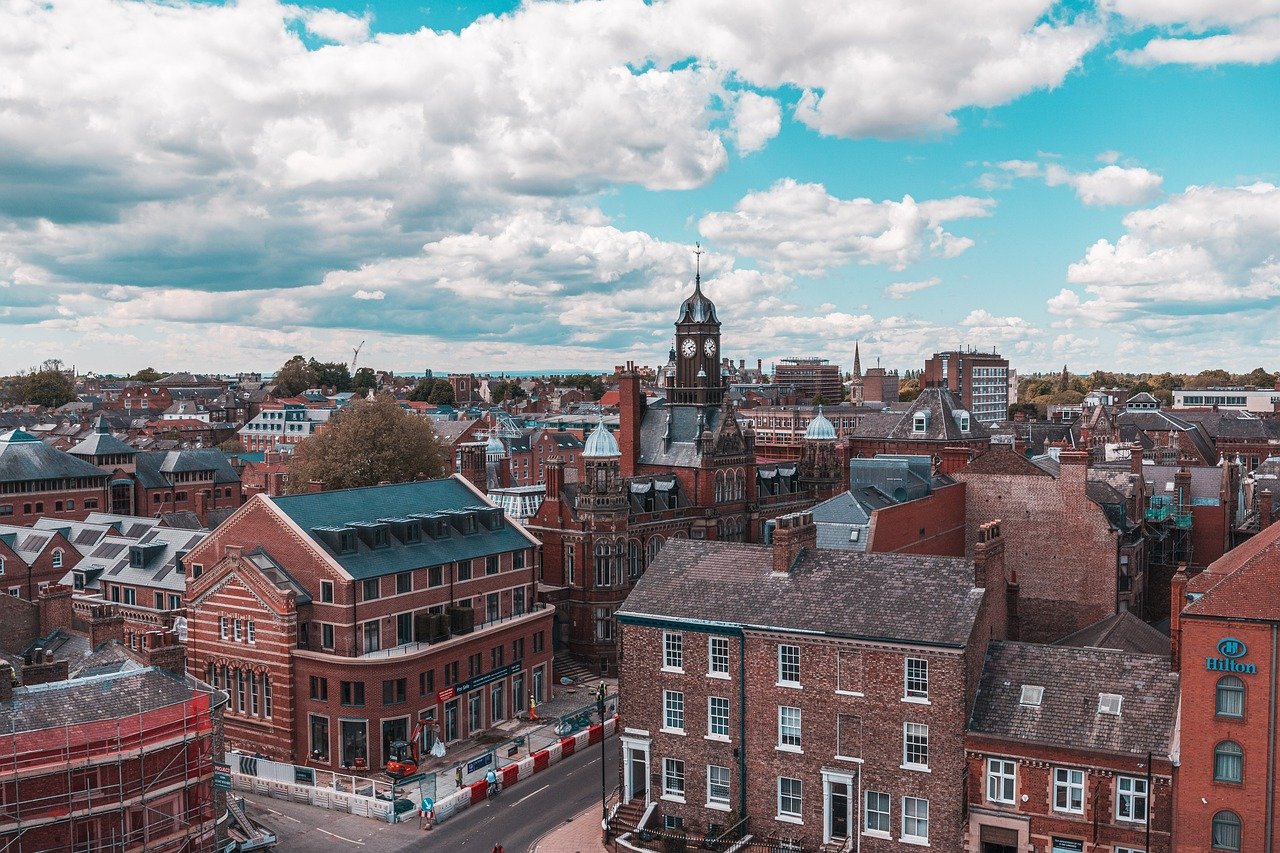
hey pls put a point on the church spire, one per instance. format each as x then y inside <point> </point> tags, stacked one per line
<point>857,362</point>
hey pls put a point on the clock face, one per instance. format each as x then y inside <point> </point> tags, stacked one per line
<point>709,347</point>
<point>689,347</point>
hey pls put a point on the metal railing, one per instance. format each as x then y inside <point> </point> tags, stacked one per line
<point>410,648</point>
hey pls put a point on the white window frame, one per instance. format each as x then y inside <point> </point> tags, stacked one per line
<point>867,812</point>
<point>1132,796</point>
<point>920,733</point>
<point>251,633</point>
<point>673,770</point>
<point>239,629</point>
<point>712,717</point>
<point>790,718</point>
<point>796,816</point>
<point>672,651</point>
<point>224,627</point>
<point>713,657</point>
<point>672,707</point>
<point>1068,785</point>
<point>1001,774</point>
<point>913,803</point>
<point>714,802</point>
<point>910,693</point>
<point>784,650</point>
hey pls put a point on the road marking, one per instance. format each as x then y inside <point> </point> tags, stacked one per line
<point>535,793</point>
<point>339,837</point>
<point>281,814</point>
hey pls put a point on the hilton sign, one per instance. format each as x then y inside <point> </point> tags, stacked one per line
<point>1231,650</point>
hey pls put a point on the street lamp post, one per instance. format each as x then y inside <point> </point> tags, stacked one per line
<point>604,808</point>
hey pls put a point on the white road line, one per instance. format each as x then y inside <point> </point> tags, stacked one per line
<point>281,814</point>
<point>535,793</point>
<point>339,837</point>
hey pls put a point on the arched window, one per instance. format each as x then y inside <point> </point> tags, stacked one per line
<point>1230,701</point>
<point>602,564</point>
<point>719,486</point>
<point>741,484</point>
<point>1226,831</point>
<point>568,564</point>
<point>633,558</point>
<point>57,558</point>
<point>652,547</point>
<point>1228,762</point>
<point>619,561</point>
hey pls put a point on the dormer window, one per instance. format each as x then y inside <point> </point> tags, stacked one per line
<point>382,538</point>
<point>921,422</point>
<point>412,532</point>
<point>1109,703</point>
<point>347,542</point>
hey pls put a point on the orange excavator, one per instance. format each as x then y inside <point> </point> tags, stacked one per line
<point>404,759</point>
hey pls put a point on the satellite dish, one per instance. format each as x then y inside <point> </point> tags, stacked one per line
<point>180,627</point>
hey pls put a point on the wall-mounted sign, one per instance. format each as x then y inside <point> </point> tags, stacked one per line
<point>1230,651</point>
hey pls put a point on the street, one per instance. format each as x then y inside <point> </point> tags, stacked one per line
<point>517,818</point>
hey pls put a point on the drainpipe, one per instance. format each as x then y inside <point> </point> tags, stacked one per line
<point>742,723</point>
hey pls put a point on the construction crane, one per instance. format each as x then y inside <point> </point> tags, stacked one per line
<point>355,356</point>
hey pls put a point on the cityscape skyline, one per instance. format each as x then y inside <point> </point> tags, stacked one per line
<point>521,186</point>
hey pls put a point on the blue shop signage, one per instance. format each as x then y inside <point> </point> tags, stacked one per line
<point>1230,650</point>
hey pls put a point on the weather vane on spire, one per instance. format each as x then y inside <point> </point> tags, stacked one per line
<point>697,260</point>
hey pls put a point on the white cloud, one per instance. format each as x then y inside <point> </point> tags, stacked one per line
<point>369,294</point>
<point>1206,251</point>
<point>901,289</point>
<point>756,120</point>
<point>1191,32</point>
<point>1108,185</point>
<point>335,26</point>
<point>801,229</point>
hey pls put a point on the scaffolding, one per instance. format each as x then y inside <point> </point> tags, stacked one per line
<point>1169,530</point>
<point>139,783</point>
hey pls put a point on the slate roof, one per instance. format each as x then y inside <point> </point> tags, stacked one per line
<point>1206,480</point>
<point>1068,714</point>
<point>940,404</point>
<point>24,457</point>
<point>450,431</point>
<point>101,697</point>
<point>837,519</point>
<point>28,543</point>
<point>1122,632</point>
<point>1003,461</point>
<point>153,466</point>
<point>669,434</point>
<point>888,597</point>
<point>316,511</point>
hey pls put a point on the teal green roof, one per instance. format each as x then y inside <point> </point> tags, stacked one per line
<point>329,511</point>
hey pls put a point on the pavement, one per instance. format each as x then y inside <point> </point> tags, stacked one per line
<point>524,817</point>
<point>579,834</point>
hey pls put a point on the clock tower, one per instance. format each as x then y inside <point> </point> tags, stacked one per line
<point>697,350</point>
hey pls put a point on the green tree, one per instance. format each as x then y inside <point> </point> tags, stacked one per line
<point>364,381</point>
<point>294,377</point>
<point>908,390</point>
<point>369,442</point>
<point>331,374</point>
<point>232,445</point>
<point>1064,381</point>
<point>442,394</point>
<point>147,374</point>
<point>48,386</point>
<point>820,400</point>
<point>507,389</point>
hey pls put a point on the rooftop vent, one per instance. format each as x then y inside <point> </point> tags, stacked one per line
<point>1032,695</point>
<point>1109,703</point>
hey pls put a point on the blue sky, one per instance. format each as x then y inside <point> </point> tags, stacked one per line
<point>518,186</point>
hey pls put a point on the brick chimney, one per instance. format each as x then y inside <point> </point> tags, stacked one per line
<point>6,683</point>
<point>988,555</point>
<point>105,625</point>
<point>55,608</point>
<point>165,652</point>
<point>1182,489</point>
<point>1177,601</point>
<point>43,669</point>
<point>791,535</point>
<point>315,486</point>
<point>953,459</point>
<point>202,506</point>
<point>472,465</point>
<point>275,483</point>
<point>1135,458</point>
<point>555,477</point>
<point>1265,512</point>
<point>630,415</point>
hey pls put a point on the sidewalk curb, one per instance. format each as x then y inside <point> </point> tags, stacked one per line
<point>588,813</point>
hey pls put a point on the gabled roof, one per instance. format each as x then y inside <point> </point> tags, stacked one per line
<point>1067,715</point>
<point>154,468</point>
<point>1001,461</point>
<point>1122,632</point>
<point>885,597</point>
<point>1242,582</point>
<point>101,442</point>
<point>939,407</point>
<point>320,513</point>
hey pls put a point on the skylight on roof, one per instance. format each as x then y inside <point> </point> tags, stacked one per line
<point>1031,695</point>
<point>1109,703</point>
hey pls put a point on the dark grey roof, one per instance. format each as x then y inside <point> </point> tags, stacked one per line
<point>84,700</point>
<point>669,434</point>
<point>1072,679</point>
<point>1206,480</point>
<point>939,404</point>
<point>1123,632</point>
<point>894,597</point>
<point>153,467</point>
<point>838,519</point>
<point>24,457</point>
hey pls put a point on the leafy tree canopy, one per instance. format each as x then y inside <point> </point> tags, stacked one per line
<point>294,377</point>
<point>48,386</point>
<point>369,442</point>
<point>147,374</point>
<point>331,374</point>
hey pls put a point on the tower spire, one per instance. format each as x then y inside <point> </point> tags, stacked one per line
<point>697,260</point>
<point>857,362</point>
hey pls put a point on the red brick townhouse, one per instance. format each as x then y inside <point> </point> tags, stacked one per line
<point>806,695</point>
<point>1226,640</point>
<point>1070,751</point>
<point>31,560</point>
<point>337,620</point>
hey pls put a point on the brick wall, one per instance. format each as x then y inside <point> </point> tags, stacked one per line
<point>934,524</point>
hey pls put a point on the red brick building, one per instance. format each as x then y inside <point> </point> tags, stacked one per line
<point>37,480</point>
<point>980,380</point>
<point>119,761</point>
<point>935,424</point>
<point>820,696</point>
<point>1225,625</point>
<point>1097,564</point>
<point>338,620</point>
<point>682,467</point>
<point>31,560</point>
<point>1070,749</point>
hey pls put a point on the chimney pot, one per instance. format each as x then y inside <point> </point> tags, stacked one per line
<point>792,534</point>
